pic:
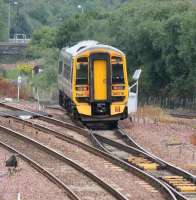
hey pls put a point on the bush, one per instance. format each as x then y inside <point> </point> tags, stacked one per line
<point>10,90</point>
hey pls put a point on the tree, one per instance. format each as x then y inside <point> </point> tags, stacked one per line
<point>157,36</point>
<point>3,21</point>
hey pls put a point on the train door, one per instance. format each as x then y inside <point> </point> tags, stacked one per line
<point>100,80</point>
<point>100,77</point>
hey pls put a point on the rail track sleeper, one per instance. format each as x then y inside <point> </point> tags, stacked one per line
<point>129,149</point>
<point>48,119</point>
<point>43,171</point>
<point>169,166</point>
<point>125,165</point>
<point>72,163</point>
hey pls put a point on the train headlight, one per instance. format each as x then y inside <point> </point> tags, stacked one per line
<point>118,87</point>
<point>82,88</point>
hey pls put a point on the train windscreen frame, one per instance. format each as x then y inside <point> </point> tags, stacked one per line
<point>82,74</point>
<point>117,74</point>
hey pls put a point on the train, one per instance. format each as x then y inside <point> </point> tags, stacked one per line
<point>93,82</point>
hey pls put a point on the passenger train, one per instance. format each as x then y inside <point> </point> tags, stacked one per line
<point>93,82</point>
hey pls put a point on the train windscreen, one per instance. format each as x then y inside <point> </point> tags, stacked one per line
<point>117,74</point>
<point>82,74</point>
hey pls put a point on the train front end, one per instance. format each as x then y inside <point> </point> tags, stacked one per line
<point>100,85</point>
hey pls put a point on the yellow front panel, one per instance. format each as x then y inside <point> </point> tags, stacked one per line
<point>84,109</point>
<point>100,80</point>
<point>117,109</point>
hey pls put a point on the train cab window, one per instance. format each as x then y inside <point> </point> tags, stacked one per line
<point>116,59</point>
<point>82,59</point>
<point>117,74</point>
<point>60,67</point>
<point>82,74</point>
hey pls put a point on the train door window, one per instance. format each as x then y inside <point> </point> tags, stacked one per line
<point>60,67</point>
<point>117,74</point>
<point>82,74</point>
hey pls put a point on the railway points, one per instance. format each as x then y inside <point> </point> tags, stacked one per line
<point>147,163</point>
<point>83,132</point>
<point>78,178</point>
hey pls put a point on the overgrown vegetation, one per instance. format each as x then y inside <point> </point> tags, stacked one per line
<point>9,89</point>
<point>3,24</point>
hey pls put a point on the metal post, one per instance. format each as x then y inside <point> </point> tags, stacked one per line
<point>38,101</point>
<point>9,20</point>
<point>18,196</point>
<point>82,8</point>
<point>19,82</point>
<point>137,91</point>
<point>18,92</point>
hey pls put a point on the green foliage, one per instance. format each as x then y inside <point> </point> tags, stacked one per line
<point>3,21</point>
<point>45,37</point>
<point>42,40</point>
<point>158,36</point>
<point>11,74</point>
<point>47,78</point>
<point>30,15</point>
<point>24,69</point>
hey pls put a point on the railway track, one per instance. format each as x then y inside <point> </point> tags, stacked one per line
<point>180,182</point>
<point>129,167</point>
<point>183,115</point>
<point>120,145</point>
<point>71,195</point>
<point>78,181</point>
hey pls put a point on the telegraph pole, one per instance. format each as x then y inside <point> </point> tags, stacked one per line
<point>19,83</point>
<point>9,20</point>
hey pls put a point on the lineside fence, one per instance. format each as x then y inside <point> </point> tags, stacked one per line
<point>170,103</point>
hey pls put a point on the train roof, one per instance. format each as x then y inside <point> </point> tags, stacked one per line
<point>87,45</point>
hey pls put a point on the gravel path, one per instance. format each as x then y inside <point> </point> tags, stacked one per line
<point>27,181</point>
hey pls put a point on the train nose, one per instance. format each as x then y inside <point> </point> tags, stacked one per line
<point>101,107</point>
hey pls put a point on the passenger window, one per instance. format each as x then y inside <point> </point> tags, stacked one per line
<point>82,74</point>
<point>117,74</point>
<point>60,67</point>
<point>67,69</point>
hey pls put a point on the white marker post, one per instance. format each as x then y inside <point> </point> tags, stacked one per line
<point>133,96</point>
<point>136,77</point>
<point>19,83</point>
<point>18,196</point>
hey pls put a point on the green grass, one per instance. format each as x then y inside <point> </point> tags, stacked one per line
<point>11,74</point>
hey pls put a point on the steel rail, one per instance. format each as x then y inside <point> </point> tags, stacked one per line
<point>151,180</point>
<point>129,141</point>
<point>43,171</point>
<point>183,115</point>
<point>68,161</point>
<point>136,149</point>
<point>54,121</point>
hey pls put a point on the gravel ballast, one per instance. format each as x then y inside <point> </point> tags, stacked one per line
<point>27,181</point>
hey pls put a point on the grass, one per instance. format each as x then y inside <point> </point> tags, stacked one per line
<point>155,114</point>
<point>11,74</point>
